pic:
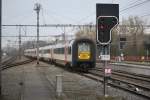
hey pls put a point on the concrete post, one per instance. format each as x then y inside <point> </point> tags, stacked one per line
<point>59,85</point>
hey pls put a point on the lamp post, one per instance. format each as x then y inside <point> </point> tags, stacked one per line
<point>37,9</point>
<point>0,48</point>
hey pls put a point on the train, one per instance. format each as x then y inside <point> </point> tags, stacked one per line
<point>75,54</point>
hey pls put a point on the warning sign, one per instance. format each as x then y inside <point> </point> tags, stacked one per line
<point>108,71</point>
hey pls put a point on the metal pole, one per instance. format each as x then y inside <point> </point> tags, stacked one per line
<point>147,53</point>
<point>0,48</point>
<point>65,45</point>
<point>37,9</point>
<point>106,51</point>
<point>19,42</point>
<point>104,79</point>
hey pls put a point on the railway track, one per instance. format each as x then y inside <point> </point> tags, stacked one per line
<point>119,83</point>
<point>122,79</point>
<point>10,63</point>
<point>8,60</point>
<point>143,78</point>
<point>116,85</point>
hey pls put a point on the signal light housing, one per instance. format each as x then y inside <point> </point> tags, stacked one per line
<point>105,24</point>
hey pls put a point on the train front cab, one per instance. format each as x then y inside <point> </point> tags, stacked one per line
<point>83,56</point>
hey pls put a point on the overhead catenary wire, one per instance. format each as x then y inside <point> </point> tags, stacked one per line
<point>43,17</point>
<point>121,10</point>
<point>135,2</point>
<point>145,15</point>
<point>141,3</point>
<point>67,25</point>
<point>39,36</point>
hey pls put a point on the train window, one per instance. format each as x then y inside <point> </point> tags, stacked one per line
<point>83,47</point>
<point>47,51</point>
<point>55,51</point>
<point>69,50</point>
<point>59,51</point>
<point>63,50</point>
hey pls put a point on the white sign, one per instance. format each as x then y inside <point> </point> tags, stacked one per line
<point>108,71</point>
<point>105,57</point>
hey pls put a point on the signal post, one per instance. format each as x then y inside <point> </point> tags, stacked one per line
<point>107,18</point>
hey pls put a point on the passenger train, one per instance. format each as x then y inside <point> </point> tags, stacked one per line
<point>76,54</point>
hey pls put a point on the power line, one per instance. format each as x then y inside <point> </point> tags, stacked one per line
<point>86,17</point>
<point>39,36</point>
<point>61,16</point>
<point>44,22</point>
<point>65,25</point>
<point>134,2</point>
<point>130,3</point>
<point>49,25</point>
<point>145,15</point>
<point>135,5</point>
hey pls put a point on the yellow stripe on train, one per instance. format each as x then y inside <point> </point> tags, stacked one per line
<point>84,55</point>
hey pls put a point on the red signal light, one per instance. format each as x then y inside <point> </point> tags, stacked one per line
<point>101,27</point>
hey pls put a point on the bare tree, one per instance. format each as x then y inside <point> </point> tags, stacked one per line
<point>134,31</point>
<point>86,32</point>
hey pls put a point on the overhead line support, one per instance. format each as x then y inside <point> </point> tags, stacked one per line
<point>65,25</point>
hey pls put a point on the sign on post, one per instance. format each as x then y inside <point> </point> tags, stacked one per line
<point>108,71</point>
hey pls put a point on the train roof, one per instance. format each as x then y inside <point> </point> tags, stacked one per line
<point>46,47</point>
<point>60,45</point>
<point>30,50</point>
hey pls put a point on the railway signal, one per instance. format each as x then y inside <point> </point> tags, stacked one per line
<point>107,16</point>
<point>105,24</point>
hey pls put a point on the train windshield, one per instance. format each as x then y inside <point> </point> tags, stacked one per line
<point>83,47</point>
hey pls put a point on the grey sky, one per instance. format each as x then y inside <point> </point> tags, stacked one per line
<point>60,12</point>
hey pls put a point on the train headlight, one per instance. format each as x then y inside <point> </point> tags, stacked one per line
<point>79,56</point>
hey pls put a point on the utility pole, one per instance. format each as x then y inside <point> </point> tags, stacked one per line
<point>66,50</point>
<point>0,48</point>
<point>37,9</point>
<point>19,42</point>
<point>147,54</point>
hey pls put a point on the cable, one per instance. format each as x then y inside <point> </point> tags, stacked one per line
<point>36,36</point>
<point>86,17</point>
<point>145,15</point>
<point>120,11</point>
<point>42,10</point>
<point>134,2</point>
<point>64,17</point>
<point>135,5</point>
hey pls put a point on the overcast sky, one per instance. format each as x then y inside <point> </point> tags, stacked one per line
<point>61,12</point>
